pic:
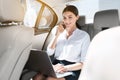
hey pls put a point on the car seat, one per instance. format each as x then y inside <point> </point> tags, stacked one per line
<point>105,19</point>
<point>102,59</point>
<point>15,39</point>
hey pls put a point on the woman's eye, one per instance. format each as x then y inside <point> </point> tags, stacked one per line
<point>64,17</point>
<point>70,17</point>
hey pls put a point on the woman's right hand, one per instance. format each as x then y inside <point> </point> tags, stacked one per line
<point>60,29</point>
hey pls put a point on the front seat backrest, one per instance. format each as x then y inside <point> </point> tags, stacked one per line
<point>103,56</point>
<point>15,40</point>
<point>105,19</point>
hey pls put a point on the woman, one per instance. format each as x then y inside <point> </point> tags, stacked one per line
<point>69,45</point>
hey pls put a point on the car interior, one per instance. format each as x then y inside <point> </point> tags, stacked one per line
<point>19,39</point>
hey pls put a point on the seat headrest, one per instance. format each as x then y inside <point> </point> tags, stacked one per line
<point>81,20</point>
<point>11,10</point>
<point>106,18</point>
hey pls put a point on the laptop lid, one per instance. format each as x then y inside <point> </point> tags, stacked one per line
<point>39,61</point>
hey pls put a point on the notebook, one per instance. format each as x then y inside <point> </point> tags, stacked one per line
<point>40,61</point>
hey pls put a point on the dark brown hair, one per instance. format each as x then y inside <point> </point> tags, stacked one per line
<point>72,9</point>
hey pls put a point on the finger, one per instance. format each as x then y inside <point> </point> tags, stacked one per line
<point>61,70</point>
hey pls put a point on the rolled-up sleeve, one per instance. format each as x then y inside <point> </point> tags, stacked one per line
<point>50,51</point>
<point>85,46</point>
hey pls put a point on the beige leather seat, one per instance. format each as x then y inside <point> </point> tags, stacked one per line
<point>105,19</point>
<point>15,40</point>
<point>103,57</point>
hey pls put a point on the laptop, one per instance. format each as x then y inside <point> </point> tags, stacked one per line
<point>39,61</point>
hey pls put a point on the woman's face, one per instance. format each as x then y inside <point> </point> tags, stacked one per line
<point>69,20</point>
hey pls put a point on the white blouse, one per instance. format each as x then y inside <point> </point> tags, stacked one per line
<point>72,49</point>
